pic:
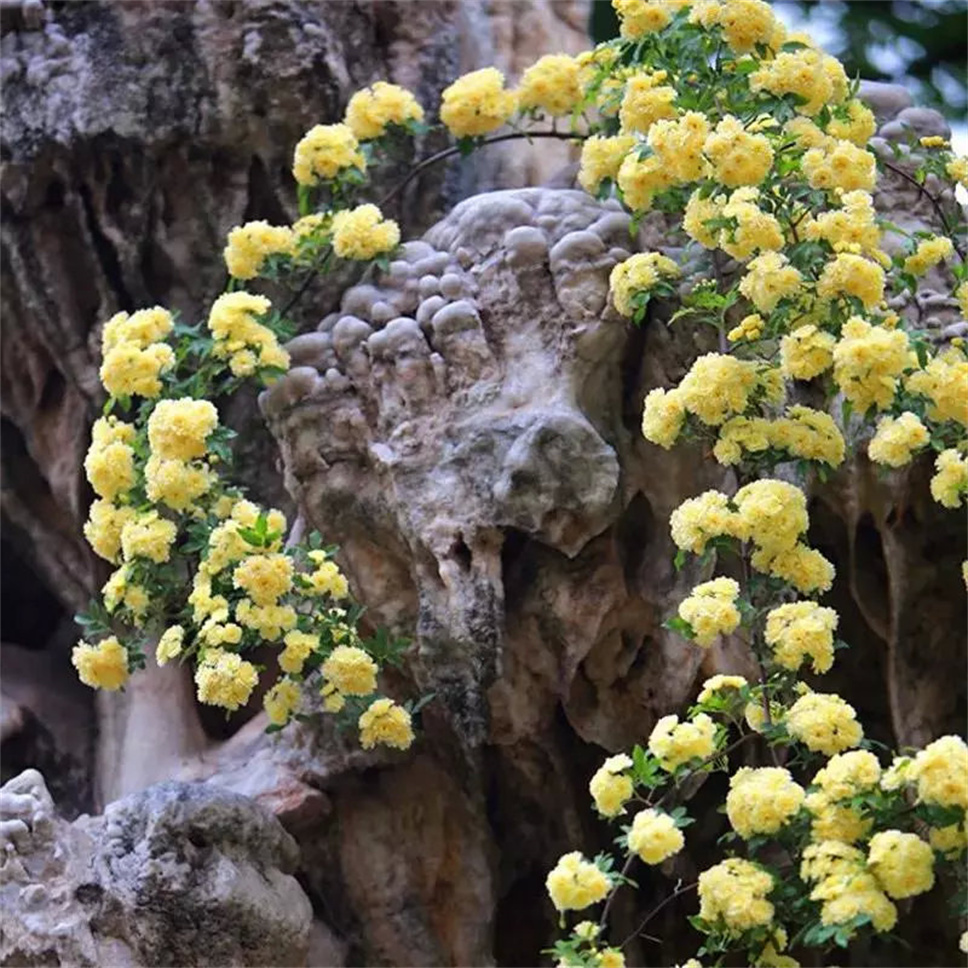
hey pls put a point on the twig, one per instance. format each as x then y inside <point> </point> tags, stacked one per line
<point>314,270</point>
<point>934,202</point>
<point>678,892</point>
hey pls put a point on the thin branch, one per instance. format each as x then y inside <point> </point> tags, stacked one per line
<point>314,270</point>
<point>678,892</point>
<point>939,211</point>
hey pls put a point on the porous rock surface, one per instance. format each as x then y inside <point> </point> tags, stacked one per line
<point>180,874</point>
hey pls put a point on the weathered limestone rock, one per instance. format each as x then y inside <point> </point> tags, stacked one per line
<point>181,874</point>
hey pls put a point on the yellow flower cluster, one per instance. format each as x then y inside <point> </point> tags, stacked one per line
<point>749,328</point>
<point>675,743</point>
<point>118,590</point>
<point>769,278</point>
<point>477,103</point>
<point>735,890</point>
<point>859,126</point>
<point>641,17</point>
<point>897,439</point>
<point>950,841</point>
<point>806,352</point>
<point>601,158</point>
<point>299,646</point>
<point>385,722</point>
<point>678,145</point>
<point>170,644</point>
<point>662,417</point>
<point>824,723</point>
<point>576,883</point>
<point>772,513</point>
<point>854,223</point>
<point>654,836</point>
<point>148,536</point>
<point>249,245</point>
<point>646,100</point>
<point>868,361</point>
<point>941,771</point>
<point>327,579</point>
<point>716,683</point>
<point>351,671</point>
<point>711,610</point>
<point>718,386</point>
<point>957,169</point>
<point>840,164</point>
<point>801,72</point>
<point>178,429</point>
<point>699,519</point>
<point>551,85</point>
<point>846,888</point>
<point>830,820</point>
<point>109,464</point>
<point>133,355</point>
<point>798,630</point>
<point>637,274</point>
<point>265,578</point>
<point>698,211</point>
<point>371,110</point>
<point>928,253</point>
<point>950,483</point>
<point>324,151</point>
<point>246,344</point>
<point>804,432</point>
<point>745,23</point>
<point>281,701</point>
<point>848,274</point>
<point>101,666</point>
<point>738,157</point>
<point>804,568</point>
<point>225,679</point>
<point>902,863</point>
<point>754,231</point>
<point>363,233</point>
<point>176,483</point>
<point>270,621</point>
<point>847,775</point>
<point>943,382</point>
<point>103,528</point>
<point>610,787</point>
<point>761,801</point>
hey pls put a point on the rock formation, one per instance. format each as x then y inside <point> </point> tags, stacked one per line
<point>182,874</point>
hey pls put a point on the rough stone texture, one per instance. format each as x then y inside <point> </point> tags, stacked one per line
<point>180,874</point>
<point>136,134</point>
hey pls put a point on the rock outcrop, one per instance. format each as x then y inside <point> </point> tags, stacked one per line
<point>181,874</point>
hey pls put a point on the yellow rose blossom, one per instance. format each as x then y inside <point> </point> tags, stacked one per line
<point>645,101</point>
<point>941,772</point>
<point>610,787</point>
<point>854,223</point>
<point>637,274</point>
<point>754,231</point>
<point>477,103</point>
<point>299,646</point>
<point>140,329</point>
<point>710,610</point>
<point>654,836</point>
<point>858,128</point>
<point>324,151</point>
<point>225,679</point>
<point>270,621</point>
<point>957,170</point>
<point>601,158</point>
<point>852,275</point>
<point>551,85</point>
<point>718,386</point>
<point>749,328</point>
<point>806,352</point>
<point>804,568</point>
<point>719,682</point>
<point>761,801</point>
<point>800,72</point>
<point>611,958</point>
<point>700,518</point>
<point>800,630</point>
<point>351,670</point>
<point>769,278</point>
<point>265,578</point>
<point>148,536</point>
<point>109,467</point>
<point>949,841</point>
<point>678,145</point>
<point>698,211</point>
<point>640,178</point>
<point>249,245</point>
<point>848,774</point>
<point>851,895</point>
<point>840,164</point>
<point>327,579</point>
<point>942,381</point>
<point>773,513</point>
<point>371,110</point>
<point>675,743</point>
<point>928,253</point>
<point>735,891</point>
<point>170,644</point>
<point>738,157</point>
<point>868,361</point>
<point>576,883</point>
<point>363,233</point>
<point>637,18</point>
<point>177,429</point>
<point>101,666</point>
<point>897,439</point>
<point>129,371</point>
<point>902,863</point>
<point>387,723</point>
<point>835,821</point>
<point>281,701</point>
<point>103,528</point>
<point>662,417</point>
<point>176,484</point>
<point>950,483</point>
<point>824,723</point>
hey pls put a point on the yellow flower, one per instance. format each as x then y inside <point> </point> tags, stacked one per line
<point>640,17</point>
<point>797,630</point>
<point>698,211</point>
<point>804,568</point>
<point>852,275</point>
<point>225,679</point>
<point>327,579</point>
<point>800,72</point>
<point>745,23</point>
<point>854,223</point>
<point>601,158</point>
<point>109,468</point>
<point>850,895</point>
<point>611,958</point>
<point>103,528</point>
<point>897,439</point>
<point>840,164</point>
<point>372,109</point>
<point>950,483</point>
<point>957,169</point>
<point>675,743</point>
<point>140,329</point>
<point>640,178</point>
<point>575,883</point>
<point>698,519</point>
<point>477,103</point>
<point>385,722</point>
<point>646,100</point>
<point>762,801</point>
<point>249,245</point>
<point>941,771</point>
<point>824,723</point>
<point>860,126</point>
<point>551,85</point>
<point>654,836</point>
<point>710,610</point>
<point>810,434</point>
<point>299,646</point>
<point>119,590</point>
<point>717,386</point>
<point>351,671</point>
<point>848,774</point>
<point>176,483</point>
<point>928,253</point>
<point>902,863</point>
<point>170,644</point>
<point>943,382</point>
<point>735,890</point>
<point>769,278</point>
<point>265,578</point>
<point>749,328</point>
<point>148,536</point>
<point>835,821</point>
<point>738,157</point>
<point>101,666</point>
<point>177,429</point>
<point>867,362</point>
<point>662,417</point>
<point>232,321</point>
<point>806,352</point>
<point>713,685</point>
<point>281,701</point>
<point>324,151</point>
<point>363,233</point>
<point>950,841</point>
<point>773,513</point>
<point>678,145</point>
<point>754,230</point>
<point>610,787</point>
<point>129,371</point>
<point>638,274</point>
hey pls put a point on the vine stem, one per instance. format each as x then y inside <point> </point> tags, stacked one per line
<point>678,892</point>
<point>699,766</point>
<point>939,211</point>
